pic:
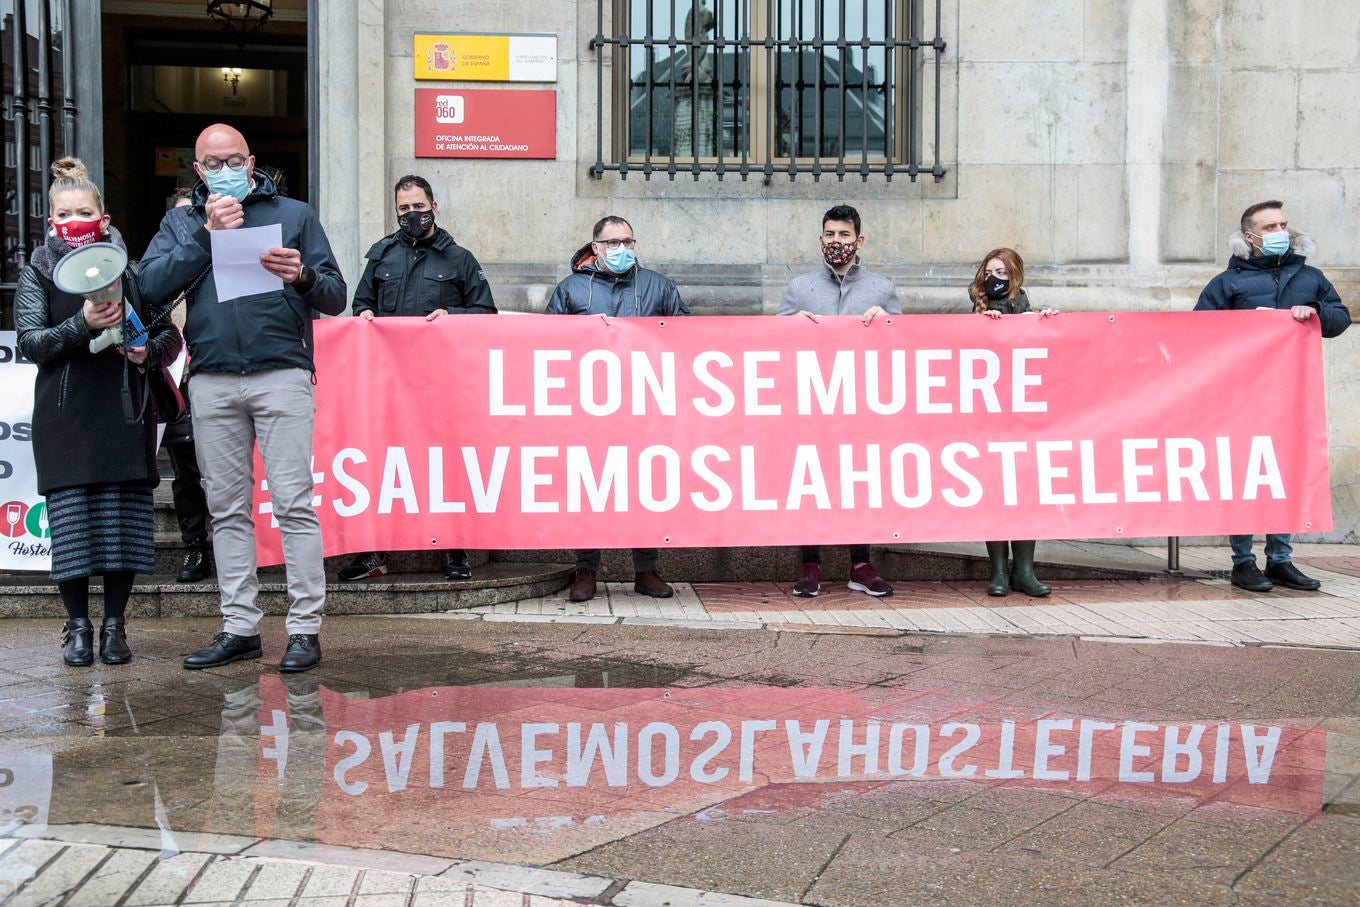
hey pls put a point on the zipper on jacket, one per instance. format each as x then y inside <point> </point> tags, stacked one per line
<point>61,391</point>
<point>236,323</point>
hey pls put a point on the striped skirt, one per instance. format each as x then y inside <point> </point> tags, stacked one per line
<point>101,529</point>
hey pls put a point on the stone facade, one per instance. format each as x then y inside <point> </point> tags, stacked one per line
<point>1114,144</point>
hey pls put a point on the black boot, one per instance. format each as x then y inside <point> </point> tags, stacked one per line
<point>998,552</point>
<point>78,643</point>
<point>196,566</point>
<point>113,647</point>
<point>1022,576</point>
<point>456,566</point>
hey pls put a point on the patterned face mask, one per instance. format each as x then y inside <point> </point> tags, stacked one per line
<point>838,253</point>
<point>77,232</point>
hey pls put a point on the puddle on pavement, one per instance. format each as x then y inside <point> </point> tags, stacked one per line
<point>546,762</point>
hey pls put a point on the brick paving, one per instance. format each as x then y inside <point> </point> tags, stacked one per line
<point>1207,609</point>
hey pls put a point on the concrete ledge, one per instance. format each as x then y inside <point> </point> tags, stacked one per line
<point>35,596</point>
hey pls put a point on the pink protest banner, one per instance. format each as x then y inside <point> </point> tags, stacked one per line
<point>560,432</point>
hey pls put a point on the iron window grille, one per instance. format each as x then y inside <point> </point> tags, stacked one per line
<point>39,119</point>
<point>824,87</point>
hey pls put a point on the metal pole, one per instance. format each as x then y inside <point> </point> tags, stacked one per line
<point>1173,554</point>
<point>22,154</point>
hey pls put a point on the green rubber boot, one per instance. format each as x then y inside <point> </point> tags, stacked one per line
<point>1022,575</point>
<point>998,552</point>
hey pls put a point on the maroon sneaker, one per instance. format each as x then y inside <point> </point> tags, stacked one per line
<point>865,578</point>
<point>810,583</point>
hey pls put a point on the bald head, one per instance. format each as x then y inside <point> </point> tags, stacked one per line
<point>220,147</point>
<point>221,141</point>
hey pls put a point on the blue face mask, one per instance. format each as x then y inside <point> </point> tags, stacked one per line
<point>620,260</point>
<point>1275,243</point>
<point>230,182</point>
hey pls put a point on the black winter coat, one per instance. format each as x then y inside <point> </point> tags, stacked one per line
<point>80,435</point>
<point>405,277</point>
<point>593,290</point>
<point>1276,282</point>
<point>253,333</point>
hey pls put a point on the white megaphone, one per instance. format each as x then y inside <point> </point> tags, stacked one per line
<point>95,271</point>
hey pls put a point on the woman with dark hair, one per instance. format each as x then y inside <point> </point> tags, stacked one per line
<point>96,462</point>
<point>997,289</point>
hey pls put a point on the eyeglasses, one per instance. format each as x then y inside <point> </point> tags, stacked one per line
<point>629,243</point>
<point>235,162</point>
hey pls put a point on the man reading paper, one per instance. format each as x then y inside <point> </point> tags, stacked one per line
<point>251,362</point>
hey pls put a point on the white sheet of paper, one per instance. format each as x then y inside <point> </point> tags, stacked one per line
<point>236,264</point>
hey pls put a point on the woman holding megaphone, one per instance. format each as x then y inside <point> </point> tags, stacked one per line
<point>95,453</point>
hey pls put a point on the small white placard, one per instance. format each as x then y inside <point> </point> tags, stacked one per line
<point>533,58</point>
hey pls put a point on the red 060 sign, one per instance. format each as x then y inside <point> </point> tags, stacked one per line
<point>486,123</point>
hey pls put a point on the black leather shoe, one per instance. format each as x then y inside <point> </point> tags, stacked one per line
<point>1289,576</point>
<point>1249,576</point>
<point>303,653</point>
<point>225,648</point>
<point>113,647</point>
<point>77,639</point>
<point>195,568</point>
<point>456,569</point>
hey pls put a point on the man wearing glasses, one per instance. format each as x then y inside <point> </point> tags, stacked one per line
<point>418,271</point>
<point>606,280</point>
<point>251,361</point>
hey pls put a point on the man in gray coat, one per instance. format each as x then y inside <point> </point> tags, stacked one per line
<point>841,287</point>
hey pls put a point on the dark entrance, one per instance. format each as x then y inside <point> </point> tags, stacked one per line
<point>166,79</point>
<point>127,86</point>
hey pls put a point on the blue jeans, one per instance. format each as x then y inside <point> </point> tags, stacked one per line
<point>1278,549</point>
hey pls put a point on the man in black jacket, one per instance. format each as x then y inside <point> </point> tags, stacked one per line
<point>251,362</point>
<point>418,271</point>
<point>1267,270</point>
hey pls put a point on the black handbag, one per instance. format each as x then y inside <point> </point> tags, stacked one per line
<point>165,395</point>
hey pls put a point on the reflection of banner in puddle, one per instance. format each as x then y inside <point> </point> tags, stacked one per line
<point>462,761</point>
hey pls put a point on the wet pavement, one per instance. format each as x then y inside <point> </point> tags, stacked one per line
<point>809,768</point>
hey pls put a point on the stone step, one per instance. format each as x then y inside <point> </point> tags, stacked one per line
<point>170,554</point>
<point>936,561</point>
<point>1061,560</point>
<point>414,593</point>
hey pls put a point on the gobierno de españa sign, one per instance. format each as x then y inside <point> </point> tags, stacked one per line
<point>485,123</point>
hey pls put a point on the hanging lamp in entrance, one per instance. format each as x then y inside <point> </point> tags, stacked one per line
<point>241,16</point>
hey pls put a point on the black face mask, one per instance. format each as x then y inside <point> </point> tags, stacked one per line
<point>416,224</point>
<point>996,288</point>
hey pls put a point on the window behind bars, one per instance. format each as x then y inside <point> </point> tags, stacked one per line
<point>766,86</point>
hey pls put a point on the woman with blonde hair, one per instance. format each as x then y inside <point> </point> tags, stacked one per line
<point>96,461</point>
<point>998,289</point>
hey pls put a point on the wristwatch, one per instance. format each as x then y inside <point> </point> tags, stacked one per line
<point>306,277</point>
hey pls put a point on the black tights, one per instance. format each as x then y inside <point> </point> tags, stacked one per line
<point>75,594</point>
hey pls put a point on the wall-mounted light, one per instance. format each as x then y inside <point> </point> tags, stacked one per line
<point>232,76</point>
